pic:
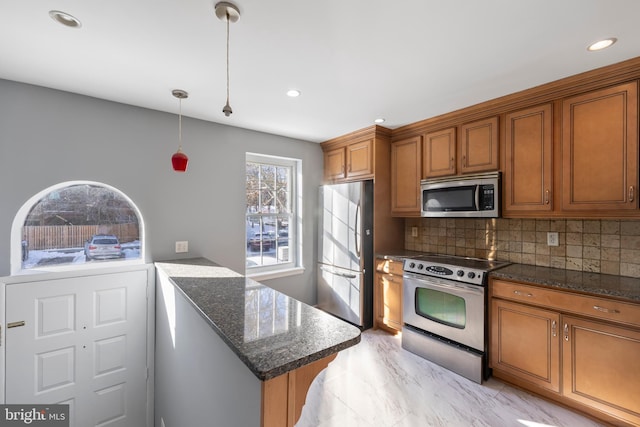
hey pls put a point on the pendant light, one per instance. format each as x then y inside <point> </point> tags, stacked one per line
<point>226,11</point>
<point>179,160</point>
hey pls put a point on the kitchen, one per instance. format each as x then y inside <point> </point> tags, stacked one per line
<point>133,146</point>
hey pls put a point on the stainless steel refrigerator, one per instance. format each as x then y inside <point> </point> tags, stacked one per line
<point>345,252</point>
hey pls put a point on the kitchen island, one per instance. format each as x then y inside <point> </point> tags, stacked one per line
<point>231,351</point>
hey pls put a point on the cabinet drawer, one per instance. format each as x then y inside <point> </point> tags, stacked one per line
<point>389,266</point>
<point>568,302</point>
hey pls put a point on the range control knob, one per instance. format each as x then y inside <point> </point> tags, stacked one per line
<point>460,273</point>
<point>471,275</point>
<point>420,266</point>
<point>412,265</point>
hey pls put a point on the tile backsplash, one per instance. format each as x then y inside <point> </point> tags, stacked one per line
<point>602,246</point>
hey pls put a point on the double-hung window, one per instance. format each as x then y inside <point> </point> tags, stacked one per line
<point>272,214</point>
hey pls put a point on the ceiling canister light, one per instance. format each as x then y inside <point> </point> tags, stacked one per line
<point>601,44</point>
<point>228,12</point>
<point>179,160</point>
<point>65,19</point>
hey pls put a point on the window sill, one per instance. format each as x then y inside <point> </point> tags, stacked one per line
<point>268,275</point>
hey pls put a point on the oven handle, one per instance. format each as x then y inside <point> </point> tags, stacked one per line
<point>477,197</point>
<point>436,283</point>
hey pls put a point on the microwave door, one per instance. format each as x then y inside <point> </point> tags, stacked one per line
<point>451,199</point>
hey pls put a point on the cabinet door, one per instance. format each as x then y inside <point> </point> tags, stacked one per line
<point>406,156</point>
<point>389,301</point>
<point>600,149</point>
<point>525,343</point>
<point>360,159</point>
<point>600,367</point>
<point>528,169</point>
<point>334,164</point>
<point>439,153</point>
<point>479,146</point>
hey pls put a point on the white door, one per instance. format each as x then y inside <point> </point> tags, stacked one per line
<point>83,343</point>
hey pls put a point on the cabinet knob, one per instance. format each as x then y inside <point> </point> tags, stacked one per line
<point>554,328</point>
<point>566,332</point>
<point>546,197</point>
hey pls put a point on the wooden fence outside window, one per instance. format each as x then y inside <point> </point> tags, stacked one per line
<point>42,237</point>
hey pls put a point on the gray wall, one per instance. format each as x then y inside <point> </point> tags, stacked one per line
<point>199,380</point>
<point>48,136</point>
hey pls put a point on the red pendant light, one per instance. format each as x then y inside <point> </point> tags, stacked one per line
<point>179,160</point>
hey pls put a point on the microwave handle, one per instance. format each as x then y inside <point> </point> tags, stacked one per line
<point>477,197</point>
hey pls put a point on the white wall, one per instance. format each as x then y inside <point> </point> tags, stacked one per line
<point>48,136</point>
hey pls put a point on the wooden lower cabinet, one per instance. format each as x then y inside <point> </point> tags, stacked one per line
<point>541,341</point>
<point>388,295</point>
<point>283,396</point>
<point>525,343</point>
<point>600,367</point>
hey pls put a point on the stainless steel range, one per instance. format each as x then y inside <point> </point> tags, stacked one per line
<point>445,312</point>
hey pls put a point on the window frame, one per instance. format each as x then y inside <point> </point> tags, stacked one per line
<point>294,266</point>
<point>15,256</point>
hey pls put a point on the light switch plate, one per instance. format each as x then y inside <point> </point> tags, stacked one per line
<point>182,246</point>
<point>552,238</point>
<point>414,231</point>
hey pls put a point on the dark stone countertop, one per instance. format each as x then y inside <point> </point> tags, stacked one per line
<point>596,284</point>
<point>269,331</point>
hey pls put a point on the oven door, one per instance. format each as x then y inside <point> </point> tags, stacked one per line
<point>452,310</point>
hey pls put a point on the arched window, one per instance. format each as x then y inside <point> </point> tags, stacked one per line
<point>74,223</point>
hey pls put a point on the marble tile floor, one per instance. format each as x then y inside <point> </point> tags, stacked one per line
<point>378,384</point>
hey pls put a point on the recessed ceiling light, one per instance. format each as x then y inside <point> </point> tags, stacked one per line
<point>380,120</point>
<point>602,44</point>
<point>293,93</point>
<point>65,19</point>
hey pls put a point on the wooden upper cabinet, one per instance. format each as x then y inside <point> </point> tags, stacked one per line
<point>360,159</point>
<point>439,153</point>
<point>334,164</point>
<point>349,161</point>
<point>406,157</point>
<point>600,150</point>
<point>528,171</point>
<point>479,146</point>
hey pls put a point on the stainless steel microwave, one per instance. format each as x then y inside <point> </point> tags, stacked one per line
<point>469,196</point>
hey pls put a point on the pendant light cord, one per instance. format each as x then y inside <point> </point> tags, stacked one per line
<point>227,57</point>
<point>179,124</point>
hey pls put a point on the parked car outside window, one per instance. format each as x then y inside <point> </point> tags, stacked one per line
<point>256,238</point>
<point>102,246</point>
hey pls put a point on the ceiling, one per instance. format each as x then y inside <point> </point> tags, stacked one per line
<point>353,60</point>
